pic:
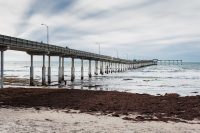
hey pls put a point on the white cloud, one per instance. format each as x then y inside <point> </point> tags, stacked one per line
<point>141,28</point>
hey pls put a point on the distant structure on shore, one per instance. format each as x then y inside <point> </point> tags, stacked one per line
<point>108,64</point>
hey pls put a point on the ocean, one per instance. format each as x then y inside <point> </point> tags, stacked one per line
<point>155,80</point>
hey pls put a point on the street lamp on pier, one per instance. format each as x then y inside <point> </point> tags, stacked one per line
<point>47,32</point>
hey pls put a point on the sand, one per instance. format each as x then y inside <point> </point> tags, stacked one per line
<point>14,120</point>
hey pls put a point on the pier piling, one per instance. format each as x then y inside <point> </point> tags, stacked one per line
<point>59,70</point>
<point>49,70</point>
<point>2,69</point>
<point>82,70</point>
<point>43,72</point>
<point>72,71</point>
<point>31,72</point>
<point>63,69</point>
<point>101,67</point>
<point>96,68</point>
<point>90,70</point>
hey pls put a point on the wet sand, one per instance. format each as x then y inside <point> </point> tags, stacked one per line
<point>133,107</point>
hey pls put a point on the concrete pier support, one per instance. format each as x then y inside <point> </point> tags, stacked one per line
<point>59,71</point>
<point>62,68</point>
<point>82,70</point>
<point>2,69</point>
<point>31,72</point>
<point>90,70</point>
<point>43,72</point>
<point>111,67</point>
<point>96,68</point>
<point>107,67</point>
<point>118,69</point>
<point>72,71</point>
<point>101,67</point>
<point>49,69</point>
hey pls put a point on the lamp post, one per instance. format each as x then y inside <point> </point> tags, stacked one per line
<point>47,32</point>
<point>99,47</point>
<point>117,53</point>
<point>127,56</point>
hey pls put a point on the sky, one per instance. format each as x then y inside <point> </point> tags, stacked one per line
<point>133,29</point>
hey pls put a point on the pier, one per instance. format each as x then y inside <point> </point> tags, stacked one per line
<point>108,64</point>
<point>170,62</point>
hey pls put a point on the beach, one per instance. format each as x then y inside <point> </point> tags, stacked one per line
<point>123,66</point>
<point>21,120</point>
<point>73,110</point>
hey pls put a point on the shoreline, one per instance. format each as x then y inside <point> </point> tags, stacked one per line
<point>170,107</point>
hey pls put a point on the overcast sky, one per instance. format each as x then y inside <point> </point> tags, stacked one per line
<point>141,29</point>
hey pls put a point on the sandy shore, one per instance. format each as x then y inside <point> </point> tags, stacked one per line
<point>54,110</point>
<point>14,120</point>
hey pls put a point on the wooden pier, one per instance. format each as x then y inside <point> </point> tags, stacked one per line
<point>108,64</point>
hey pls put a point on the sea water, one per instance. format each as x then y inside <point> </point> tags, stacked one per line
<point>182,79</point>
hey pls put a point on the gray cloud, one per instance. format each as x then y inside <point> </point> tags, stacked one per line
<point>139,28</point>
